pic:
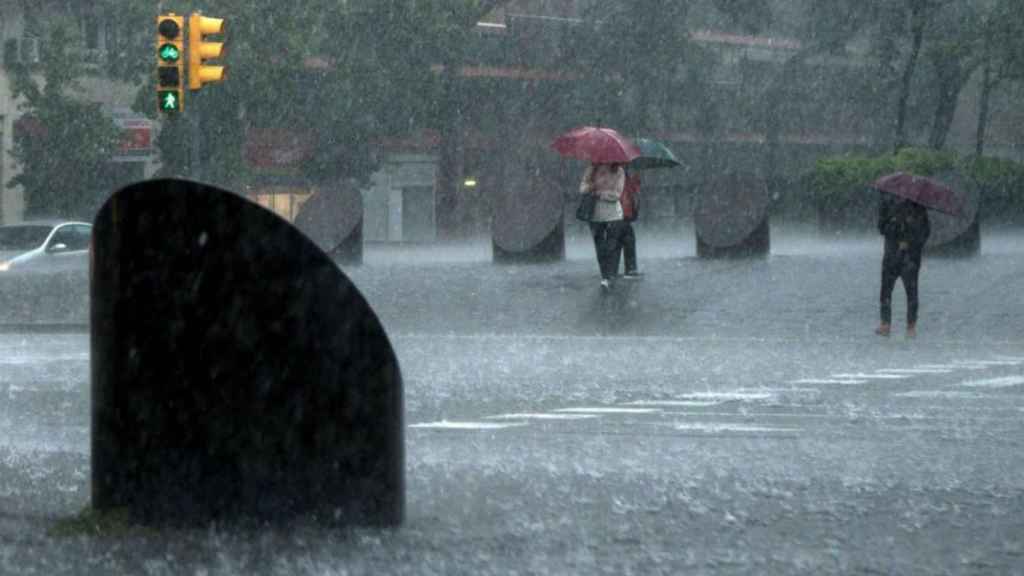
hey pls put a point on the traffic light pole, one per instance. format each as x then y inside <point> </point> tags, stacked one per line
<point>195,142</point>
<point>172,61</point>
<point>200,72</point>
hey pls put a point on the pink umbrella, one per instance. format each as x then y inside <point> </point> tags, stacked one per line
<point>927,192</point>
<point>598,145</point>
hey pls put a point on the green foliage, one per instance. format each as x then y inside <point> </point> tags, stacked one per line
<point>842,180</point>
<point>63,157</point>
<point>834,176</point>
<point>1000,180</point>
<point>840,175</point>
<point>923,162</point>
<point>838,184</point>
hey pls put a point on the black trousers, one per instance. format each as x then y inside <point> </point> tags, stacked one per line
<point>629,247</point>
<point>608,245</point>
<point>900,264</point>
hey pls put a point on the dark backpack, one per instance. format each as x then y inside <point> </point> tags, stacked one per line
<point>585,210</point>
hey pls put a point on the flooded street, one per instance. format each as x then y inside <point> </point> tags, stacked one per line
<point>728,433</point>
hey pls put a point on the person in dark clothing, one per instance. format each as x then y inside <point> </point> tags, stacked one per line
<point>905,226</point>
<point>629,212</point>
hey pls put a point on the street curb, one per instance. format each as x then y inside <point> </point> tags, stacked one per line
<point>39,328</point>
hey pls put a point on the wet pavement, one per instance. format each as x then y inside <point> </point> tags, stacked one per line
<point>717,417</point>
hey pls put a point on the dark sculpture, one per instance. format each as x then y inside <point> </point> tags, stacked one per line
<point>236,371</point>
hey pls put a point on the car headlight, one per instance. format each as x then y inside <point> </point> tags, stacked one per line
<point>5,266</point>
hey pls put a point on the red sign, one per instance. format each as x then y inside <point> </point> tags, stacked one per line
<point>136,137</point>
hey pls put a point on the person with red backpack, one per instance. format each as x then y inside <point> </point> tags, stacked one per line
<point>630,209</point>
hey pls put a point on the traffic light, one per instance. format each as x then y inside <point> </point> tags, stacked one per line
<point>170,62</point>
<point>200,50</point>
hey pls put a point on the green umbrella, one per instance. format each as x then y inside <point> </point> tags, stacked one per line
<point>653,154</point>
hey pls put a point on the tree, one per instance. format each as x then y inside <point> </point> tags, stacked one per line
<point>953,56</point>
<point>62,159</point>
<point>927,51</point>
<point>1002,57</point>
<point>827,28</point>
<point>916,13</point>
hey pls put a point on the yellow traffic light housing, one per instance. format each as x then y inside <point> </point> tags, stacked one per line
<point>170,62</point>
<point>200,50</point>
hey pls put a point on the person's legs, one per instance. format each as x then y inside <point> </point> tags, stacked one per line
<point>611,250</point>
<point>602,232</point>
<point>597,231</point>
<point>616,235</point>
<point>629,248</point>
<point>910,273</point>
<point>889,275</point>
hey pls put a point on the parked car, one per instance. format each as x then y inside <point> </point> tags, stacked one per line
<point>45,246</point>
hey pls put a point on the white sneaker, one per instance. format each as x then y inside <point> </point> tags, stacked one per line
<point>606,284</point>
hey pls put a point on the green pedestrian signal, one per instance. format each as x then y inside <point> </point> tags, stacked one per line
<point>169,101</point>
<point>170,64</point>
<point>169,53</point>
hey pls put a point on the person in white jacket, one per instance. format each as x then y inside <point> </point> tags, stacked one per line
<point>606,181</point>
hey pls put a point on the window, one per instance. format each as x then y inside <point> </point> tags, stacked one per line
<point>83,236</point>
<point>24,50</point>
<point>111,39</point>
<point>92,28</point>
<point>74,237</point>
<point>29,52</point>
<point>91,31</point>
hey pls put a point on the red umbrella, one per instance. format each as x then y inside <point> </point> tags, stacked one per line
<point>598,145</point>
<point>927,192</point>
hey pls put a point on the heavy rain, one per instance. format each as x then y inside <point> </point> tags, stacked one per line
<point>512,287</point>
